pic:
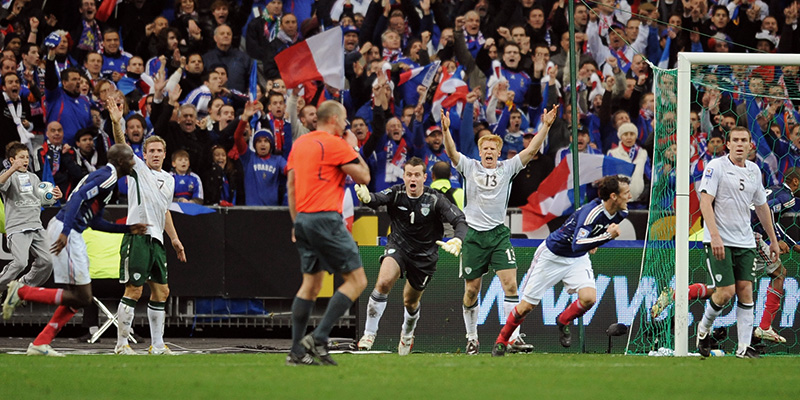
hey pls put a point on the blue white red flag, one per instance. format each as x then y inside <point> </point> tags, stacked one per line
<point>555,194</point>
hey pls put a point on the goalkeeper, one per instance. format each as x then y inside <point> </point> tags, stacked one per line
<point>417,213</point>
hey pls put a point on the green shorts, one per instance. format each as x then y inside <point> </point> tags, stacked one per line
<point>142,259</point>
<point>482,250</point>
<point>737,266</point>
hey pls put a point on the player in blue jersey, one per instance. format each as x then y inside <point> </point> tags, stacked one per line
<point>71,267</point>
<point>565,258</point>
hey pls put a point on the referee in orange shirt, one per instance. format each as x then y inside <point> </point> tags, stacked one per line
<point>318,165</point>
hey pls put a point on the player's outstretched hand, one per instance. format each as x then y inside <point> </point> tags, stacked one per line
<point>139,229</point>
<point>363,193</point>
<point>453,246</point>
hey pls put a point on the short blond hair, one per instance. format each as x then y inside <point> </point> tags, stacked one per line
<point>491,138</point>
<point>153,139</point>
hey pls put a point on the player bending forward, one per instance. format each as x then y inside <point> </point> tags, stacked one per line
<point>417,213</point>
<point>564,257</point>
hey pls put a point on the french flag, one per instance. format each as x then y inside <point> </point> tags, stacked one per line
<point>318,58</point>
<point>554,197</point>
<point>419,76</point>
<point>452,90</point>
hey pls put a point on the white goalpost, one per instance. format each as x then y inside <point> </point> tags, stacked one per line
<point>685,63</point>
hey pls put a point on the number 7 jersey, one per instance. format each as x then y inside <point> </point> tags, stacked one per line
<point>486,191</point>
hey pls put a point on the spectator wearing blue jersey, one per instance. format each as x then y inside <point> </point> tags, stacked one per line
<point>64,103</point>
<point>201,97</point>
<point>263,171</point>
<point>188,187</point>
<point>115,60</point>
<point>508,128</point>
<point>564,257</point>
<point>276,122</point>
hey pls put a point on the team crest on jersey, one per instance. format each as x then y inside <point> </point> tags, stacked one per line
<point>709,172</point>
<point>425,210</point>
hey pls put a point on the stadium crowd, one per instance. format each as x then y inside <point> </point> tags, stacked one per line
<point>181,70</point>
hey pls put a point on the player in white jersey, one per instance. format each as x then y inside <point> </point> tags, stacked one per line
<point>143,258</point>
<point>729,185</point>
<point>487,185</point>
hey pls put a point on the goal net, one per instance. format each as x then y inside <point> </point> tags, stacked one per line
<point>696,105</point>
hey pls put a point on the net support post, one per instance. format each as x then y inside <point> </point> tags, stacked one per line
<point>682,209</point>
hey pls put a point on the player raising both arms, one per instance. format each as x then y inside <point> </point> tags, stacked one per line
<point>487,184</point>
<point>564,257</point>
<point>417,214</point>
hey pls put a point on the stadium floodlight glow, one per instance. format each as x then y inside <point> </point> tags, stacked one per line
<point>685,63</point>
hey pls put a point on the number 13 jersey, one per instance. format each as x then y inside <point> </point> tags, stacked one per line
<point>486,191</point>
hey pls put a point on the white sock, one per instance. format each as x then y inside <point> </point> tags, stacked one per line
<point>409,322</point>
<point>375,308</point>
<point>471,320</point>
<point>508,304</point>
<point>156,319</point>
<point>124,322</point>
<point>93,329</point>
<point>709,315</point>
<point>744,324</point>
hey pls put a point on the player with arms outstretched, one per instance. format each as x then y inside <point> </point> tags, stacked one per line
<point>417,213</point>
<point>487,186</point>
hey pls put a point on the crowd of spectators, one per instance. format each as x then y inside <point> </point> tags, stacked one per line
<point>182,70</point>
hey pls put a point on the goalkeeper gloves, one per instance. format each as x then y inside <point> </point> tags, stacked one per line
<point>453,246</point>
<point>363,193</point>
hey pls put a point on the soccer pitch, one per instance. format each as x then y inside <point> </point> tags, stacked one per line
<point>435,376</point>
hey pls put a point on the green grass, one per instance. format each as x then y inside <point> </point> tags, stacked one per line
<point>418,376</point>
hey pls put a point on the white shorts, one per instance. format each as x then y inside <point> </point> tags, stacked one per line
<point>547,269</point>
<point>762,261</point>
<point>71,265</point>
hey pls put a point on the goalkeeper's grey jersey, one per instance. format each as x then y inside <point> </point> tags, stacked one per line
<point>23,207</point>
<point>486,191</point>
<point>734,189</point>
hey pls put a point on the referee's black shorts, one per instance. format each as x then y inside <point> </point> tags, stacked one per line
<point>324,243</point>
